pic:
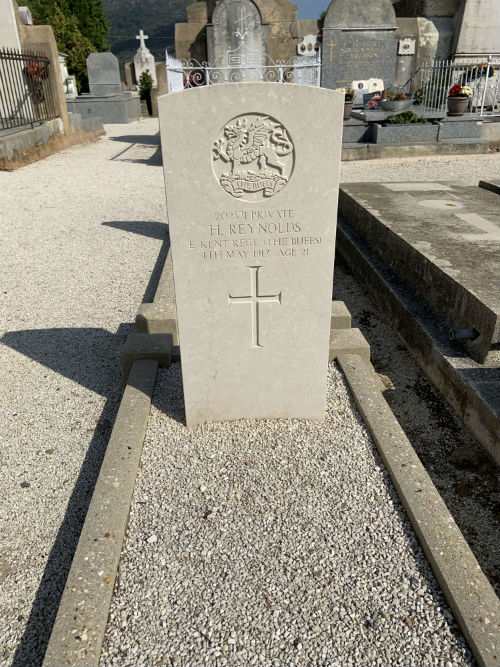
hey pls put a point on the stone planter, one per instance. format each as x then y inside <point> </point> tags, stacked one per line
<point>457,105</point>
<point>412,133</point>
<point>347,109</point>
<point>395,105</point>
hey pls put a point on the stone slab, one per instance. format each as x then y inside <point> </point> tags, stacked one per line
<point>456,376</point>
<point>348,341</point>
<point>81,620</point>
<point>349,55</point>
<point>381,116</point>
<point>253,267</point>
<point>467,590</point>
<point>469,129</point>
<point>454,263</point>
<point>362,151</point>
<point>111,109</point>
<point>412,133</point>
<point>157,347</point>
<point>341,317</point>
<point>157,318</point>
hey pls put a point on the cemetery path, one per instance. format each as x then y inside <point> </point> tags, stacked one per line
<point>81,233</point>
<point>83,238</point>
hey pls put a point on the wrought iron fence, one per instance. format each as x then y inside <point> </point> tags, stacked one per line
<point>432,82</point>
<point>25,93</point>
<point>240,66</point>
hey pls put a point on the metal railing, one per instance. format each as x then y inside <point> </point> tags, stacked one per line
<point>240,66</point>
<point>432,82</point>
<point>25,92</point>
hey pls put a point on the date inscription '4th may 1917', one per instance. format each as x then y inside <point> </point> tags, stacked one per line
<point>255,234</point>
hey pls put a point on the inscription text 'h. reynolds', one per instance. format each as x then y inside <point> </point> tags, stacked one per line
<point>255,300</point>
<point>261,155</point>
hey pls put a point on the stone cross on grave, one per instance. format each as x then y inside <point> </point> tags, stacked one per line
<point>142,37</point>
<point>255,299</point>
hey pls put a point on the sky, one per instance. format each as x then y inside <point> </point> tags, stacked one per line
<point>311,9</point>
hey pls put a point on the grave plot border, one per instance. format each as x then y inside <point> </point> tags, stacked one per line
<point>81,621</point>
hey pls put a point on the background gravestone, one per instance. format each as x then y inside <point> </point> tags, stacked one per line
<point>359,42</point>
<point>253,251</point>
<point>144,60</point>
<point>236,26</point>
<point>104,74</point>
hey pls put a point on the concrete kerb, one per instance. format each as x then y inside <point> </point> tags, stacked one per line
<point>493,186</point>
<point>81,621</point>
<point>80,624</point>
<point>468,591</point>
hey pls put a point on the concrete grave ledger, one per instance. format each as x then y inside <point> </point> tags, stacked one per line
<point>252,188</point>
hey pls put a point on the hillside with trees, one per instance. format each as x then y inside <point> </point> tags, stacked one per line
<point>156,17</point>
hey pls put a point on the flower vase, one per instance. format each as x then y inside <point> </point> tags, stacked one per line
<point>457,105</point>
<point>348,109</point>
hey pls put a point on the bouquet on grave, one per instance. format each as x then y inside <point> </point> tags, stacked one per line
<point>348,92</point>
<point>460,91</point>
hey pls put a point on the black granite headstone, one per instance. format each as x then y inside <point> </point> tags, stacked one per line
<point>359,42</point>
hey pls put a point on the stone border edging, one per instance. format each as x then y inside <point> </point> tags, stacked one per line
<point>468,592</point>
<point>79,628</point>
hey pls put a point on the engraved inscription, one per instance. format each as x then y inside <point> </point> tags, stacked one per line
<point>255,300</point>
<point>260,154</point>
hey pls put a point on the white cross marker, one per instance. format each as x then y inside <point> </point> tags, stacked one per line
<point>142,37</point>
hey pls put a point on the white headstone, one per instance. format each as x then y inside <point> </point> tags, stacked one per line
<point>144,60</point>
<point>252,212</point>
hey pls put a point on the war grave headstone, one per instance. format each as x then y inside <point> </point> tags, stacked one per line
<point>359,42</point>
<point>252,214</point>
<point>106,99</point>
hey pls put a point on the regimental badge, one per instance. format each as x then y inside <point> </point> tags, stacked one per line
<point>260,154</point>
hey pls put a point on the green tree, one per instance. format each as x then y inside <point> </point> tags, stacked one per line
<point>92,21</point>
<point>80,27</point>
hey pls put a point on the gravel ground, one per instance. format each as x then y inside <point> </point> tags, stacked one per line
<point>81,234</point>
<point>272,543</point>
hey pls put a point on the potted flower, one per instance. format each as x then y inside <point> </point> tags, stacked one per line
<point>458,98</point>
<point>348,101</point>
<point>392,101</point>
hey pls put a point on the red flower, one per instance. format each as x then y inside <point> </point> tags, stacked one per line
<point>456,90</point>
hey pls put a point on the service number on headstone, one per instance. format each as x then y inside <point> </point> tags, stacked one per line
<point>251,175</point>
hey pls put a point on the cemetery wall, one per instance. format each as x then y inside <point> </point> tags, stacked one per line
<point>41,38</point>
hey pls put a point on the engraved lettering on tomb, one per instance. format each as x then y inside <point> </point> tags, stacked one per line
<point>260,154</point>
<point>255,300</point>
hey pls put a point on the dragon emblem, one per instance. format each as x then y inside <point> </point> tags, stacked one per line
<point>260,154</point>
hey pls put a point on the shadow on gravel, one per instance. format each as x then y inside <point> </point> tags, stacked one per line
<point>153,230</point>
<point>150,139</point>
<point>89,357</point>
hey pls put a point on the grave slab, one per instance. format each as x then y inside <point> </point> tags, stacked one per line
<point>252,209</point>
<point>443,238</point>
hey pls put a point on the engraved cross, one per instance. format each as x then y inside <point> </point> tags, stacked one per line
<point>255,299</point>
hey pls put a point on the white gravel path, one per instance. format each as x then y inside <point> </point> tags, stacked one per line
<point>80,236</point>
<point>272,543</point>
<point>81,231</point>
